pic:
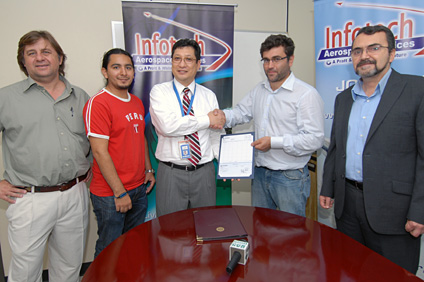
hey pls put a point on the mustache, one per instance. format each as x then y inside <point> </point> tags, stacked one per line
<point>364,62</point>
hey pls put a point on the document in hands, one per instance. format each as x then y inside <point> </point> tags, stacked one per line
<point>236,156</point>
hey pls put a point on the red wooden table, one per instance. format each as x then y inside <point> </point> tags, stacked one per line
<point>283,247</point>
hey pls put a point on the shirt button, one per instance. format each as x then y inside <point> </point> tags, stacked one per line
<point>58,118</point>
<point>66,165</point>
<point>66,149</point>
<point>62,133</point>
<point>359,153</point>
<point>364,117</point>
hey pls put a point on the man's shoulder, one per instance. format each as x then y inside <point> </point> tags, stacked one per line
<point>19,86</point>
<point>345,94</point>
<point>163,86</point>
<point>100,97</point>
<point>410,78</point>
<point>204,90</point>
<point>76,89</point>
<point>135,100</point>
<point>304,85</point>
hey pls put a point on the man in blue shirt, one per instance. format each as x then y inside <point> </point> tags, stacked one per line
<point>374,170</point>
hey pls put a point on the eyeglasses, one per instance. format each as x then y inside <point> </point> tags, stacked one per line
<point>188,60</point>
<point>274,60</point>
<point>371,50</point>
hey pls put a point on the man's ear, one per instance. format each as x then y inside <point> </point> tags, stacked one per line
<point>104,72</point>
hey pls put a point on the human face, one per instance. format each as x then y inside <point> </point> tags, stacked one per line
<point>277,72</point>
<point>372,65</point>
<point>42,61</point>
<point>184,71</point>
<point>119,73</point>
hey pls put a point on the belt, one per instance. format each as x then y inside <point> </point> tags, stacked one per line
<point>184,167</point>
<point>60,187</point>
<point>357,185</point>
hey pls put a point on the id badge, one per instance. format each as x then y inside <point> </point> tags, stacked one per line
<point>184,149</point>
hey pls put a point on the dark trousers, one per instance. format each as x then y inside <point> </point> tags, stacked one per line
<point>403,250</point>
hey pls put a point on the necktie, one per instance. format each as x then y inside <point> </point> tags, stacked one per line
<point>193,138</point>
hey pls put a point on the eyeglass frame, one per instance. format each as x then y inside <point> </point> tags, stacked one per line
<point>274,60</point>
<point>367,49</point>
<point>177,60</point>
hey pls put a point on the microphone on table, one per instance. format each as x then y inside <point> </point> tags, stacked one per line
<point>239,253</point>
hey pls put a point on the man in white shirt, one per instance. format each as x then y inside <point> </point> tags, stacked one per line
<point>289,127</point>
<point>181,113</point>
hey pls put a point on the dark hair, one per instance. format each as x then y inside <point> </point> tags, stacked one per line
<point>187,43</point>
<point>115,51</point>
<point>369,30</point>
<point>31,38</point>
<point>276,40</point>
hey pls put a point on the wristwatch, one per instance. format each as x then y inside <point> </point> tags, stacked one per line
<point>150,170</point>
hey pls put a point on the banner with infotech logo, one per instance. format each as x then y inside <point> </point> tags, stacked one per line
<point>150,31</point>
<point>336,24</point>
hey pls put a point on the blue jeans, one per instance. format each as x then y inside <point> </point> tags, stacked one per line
<point>287,190</point>
<point>112,224</point>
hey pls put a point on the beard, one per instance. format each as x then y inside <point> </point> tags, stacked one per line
<point>124,87</point>
<point>279,76</point>
<point>370,72</point>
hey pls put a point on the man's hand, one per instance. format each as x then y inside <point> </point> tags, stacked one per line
<point>150,177</point>
<point>216,119</point>
<point>123,204</point>
<point>262,144</point>
<point>7,190</point>
<point>89,176</point>
<point>326,202</point>
<point>414,228</point>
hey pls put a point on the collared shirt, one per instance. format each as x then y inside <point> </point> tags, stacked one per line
<point>292,115</point>
<point>360,119</point>
<point>44,141</point>
<point>171,126</point>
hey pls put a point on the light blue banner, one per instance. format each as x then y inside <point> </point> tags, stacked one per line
<point>337,22</point>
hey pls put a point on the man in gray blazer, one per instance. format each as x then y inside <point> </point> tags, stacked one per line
<point>374,170</point>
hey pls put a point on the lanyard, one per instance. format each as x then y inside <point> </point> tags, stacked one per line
<point>179,100</point>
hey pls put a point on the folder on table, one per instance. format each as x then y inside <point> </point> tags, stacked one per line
<point>218,224</point>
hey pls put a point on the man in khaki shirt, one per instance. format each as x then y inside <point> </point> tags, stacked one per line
<point>46,160</point>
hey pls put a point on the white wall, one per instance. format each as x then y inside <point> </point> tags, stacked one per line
<point>83,28</point>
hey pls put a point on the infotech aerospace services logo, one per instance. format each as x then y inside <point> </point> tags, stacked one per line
<point>337,42</point>
<point>154,53</point>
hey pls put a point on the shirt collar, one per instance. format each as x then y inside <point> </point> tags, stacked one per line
<point>288,84</point>
<point>29,82</point>
<point>119,98</point>
<point>357,89</point>
<point>181,87</point>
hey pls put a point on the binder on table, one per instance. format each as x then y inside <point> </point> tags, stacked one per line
<point>218,224</point>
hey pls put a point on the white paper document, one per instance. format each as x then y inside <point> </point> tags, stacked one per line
<point>236,156</point>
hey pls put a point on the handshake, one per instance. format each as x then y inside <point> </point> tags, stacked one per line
<point>216,119</point>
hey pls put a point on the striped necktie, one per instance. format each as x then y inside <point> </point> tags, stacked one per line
<point>193,138</point>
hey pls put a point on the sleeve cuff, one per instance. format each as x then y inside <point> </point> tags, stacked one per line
<point>203,122</point>
<point>277,142</point>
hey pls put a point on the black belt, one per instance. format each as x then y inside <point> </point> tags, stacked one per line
<point>356,184</point>
<point>184,167</point>
<point>60,187</point>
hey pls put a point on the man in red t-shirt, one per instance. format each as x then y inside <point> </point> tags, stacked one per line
<point>114,122</point>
